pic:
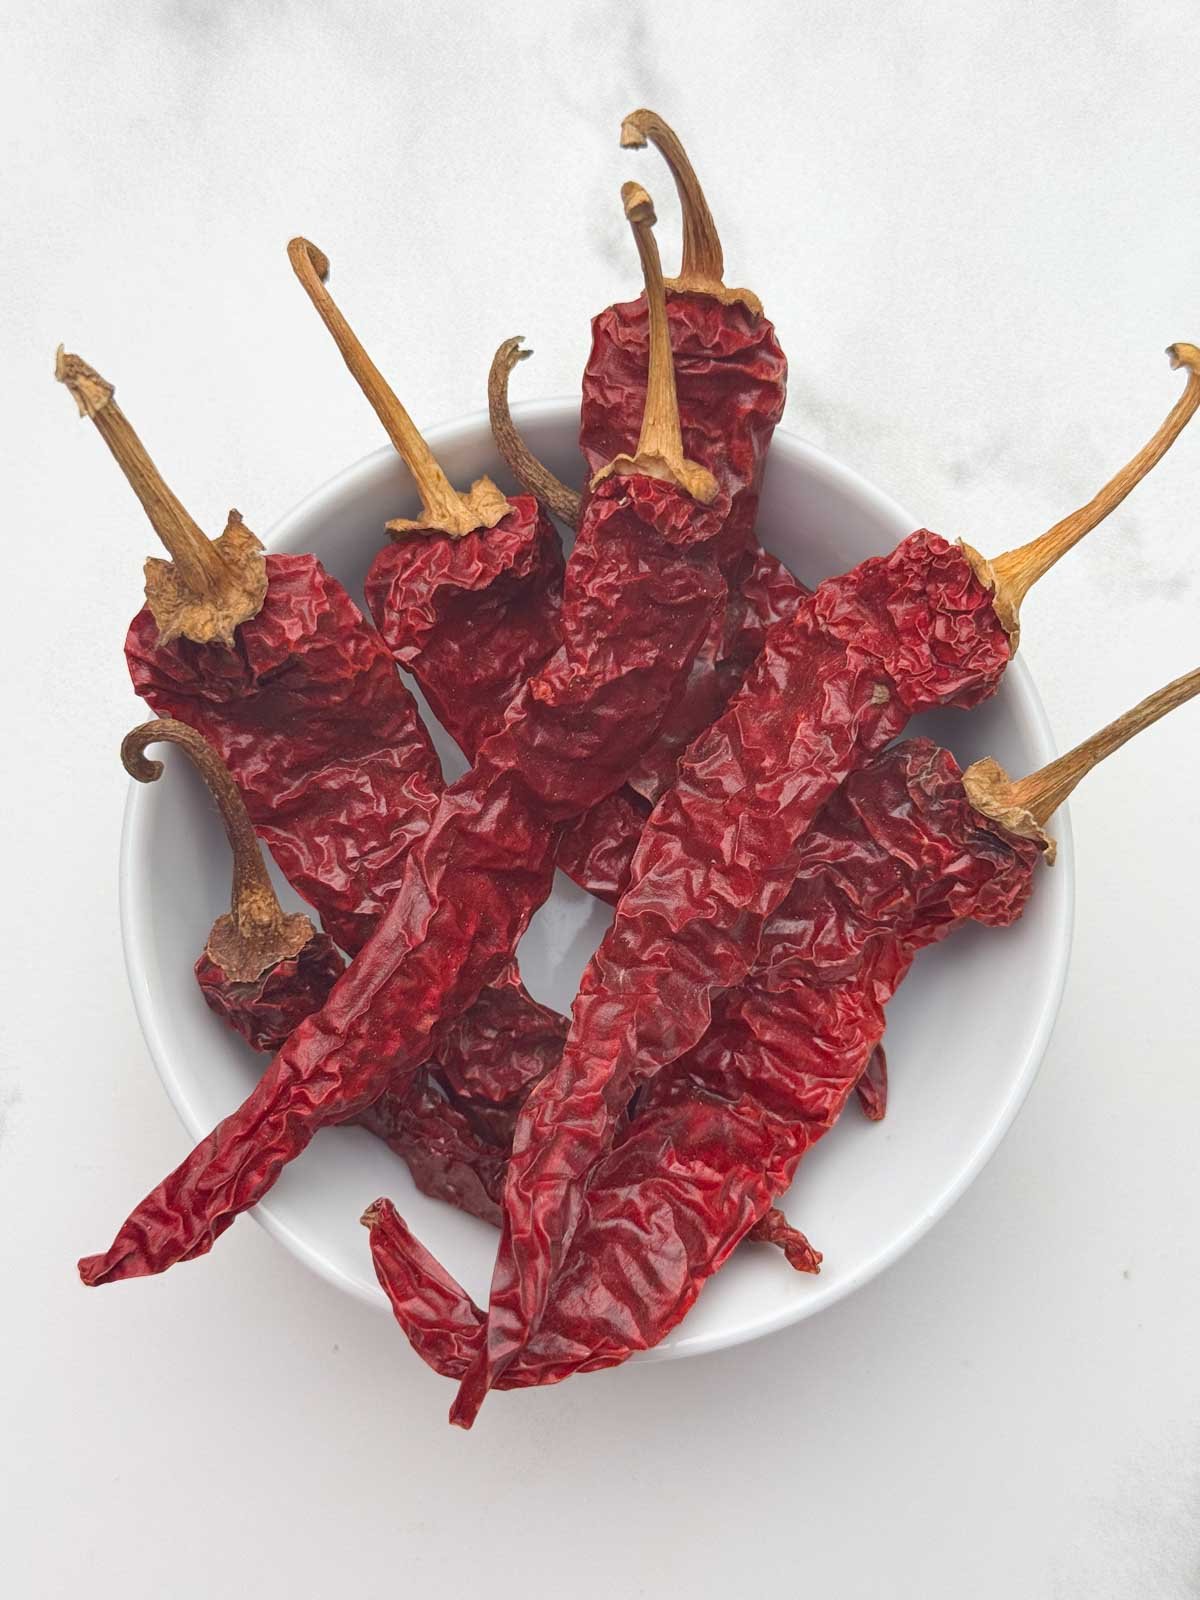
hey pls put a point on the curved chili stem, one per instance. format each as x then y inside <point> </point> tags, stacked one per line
<point>1013,574</point>
<point>525,467</point>
<point>210,585</point>
<point>660,445</point>
<point>256,934</point>
<point>1025,805</point>
<point>702,269</point>
<point>443,508</point>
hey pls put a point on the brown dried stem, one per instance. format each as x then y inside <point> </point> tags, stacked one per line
<point>703,267</point>
<point>1025,805</point>
<point>525,467</point>
<point>209,586</point>
<point>256,933</point>
<point>660,446</point>
<point>443,508</point>
<point>1013,574</point>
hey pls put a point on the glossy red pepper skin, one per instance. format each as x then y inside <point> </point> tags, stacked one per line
<point>898,859</point>
<point>268,1008</point>
<point>834,684</point>
<point>642,586</point>
<point>324,742</point>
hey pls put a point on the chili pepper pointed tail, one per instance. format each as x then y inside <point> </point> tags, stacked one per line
<point>472,1392</point>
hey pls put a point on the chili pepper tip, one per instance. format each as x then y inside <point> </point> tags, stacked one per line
<point>371,1215</point>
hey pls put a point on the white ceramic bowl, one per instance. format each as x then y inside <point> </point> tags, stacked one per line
<point>965,1034</point>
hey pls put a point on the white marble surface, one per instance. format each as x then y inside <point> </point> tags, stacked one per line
<point>976,228</point>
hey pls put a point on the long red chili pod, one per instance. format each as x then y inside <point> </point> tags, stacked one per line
<point>928,625</point>
<point>262,971</point>
<point>910,849</point>
<point>298,696</point>
<point>641,589</point>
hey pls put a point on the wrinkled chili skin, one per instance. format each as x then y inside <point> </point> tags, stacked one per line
<point>323,740</point>
<point>898,860</point>
<point>731,380</point>
<point>471,618</point>
<point>642,586</point>
<point>266,1010</point>
<point>448,1157</point>
<point>597,849</point>
<point>835,683</point>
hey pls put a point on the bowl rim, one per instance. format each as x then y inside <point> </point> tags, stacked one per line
<point>137,934</point>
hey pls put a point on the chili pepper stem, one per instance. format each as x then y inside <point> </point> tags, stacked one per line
<point>702,269</point>
<point>443,508</point>
<point>209,586</point>
<point>1013,574</point>
<point>660,445</point>
<point>529,472</point>
<point>256,933</point>
<point>1025,805</point>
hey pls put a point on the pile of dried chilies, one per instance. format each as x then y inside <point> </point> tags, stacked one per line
<point>670,717</point>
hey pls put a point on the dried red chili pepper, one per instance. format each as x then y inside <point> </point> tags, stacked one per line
<point>467,596</point>
<point>931,624</point>
<point>908,850</point>
<point>730,372</point>
<point>261,970</point>
<point>732,380</point>
<point>273,663</point>
<point>642,586</point>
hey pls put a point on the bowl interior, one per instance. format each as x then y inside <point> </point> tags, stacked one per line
<point>965,1033</point>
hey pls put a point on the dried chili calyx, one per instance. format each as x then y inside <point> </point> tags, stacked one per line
<point>209,586</point>
<point>1024,806</point>
<point>262,970</point>
<point>535,478</point>
<point>255,932</point>
<point>443,508</point>
<point>703,266</point>
<point>1012,575</point>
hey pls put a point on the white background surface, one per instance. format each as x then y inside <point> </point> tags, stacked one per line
<point>975,229</point>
